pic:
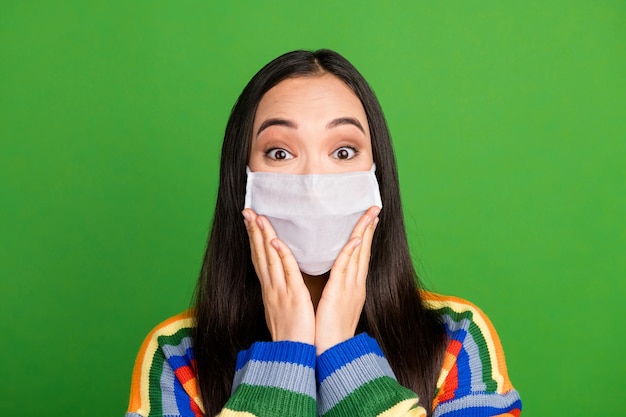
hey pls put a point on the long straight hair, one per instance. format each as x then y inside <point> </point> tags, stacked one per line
<point>229,310</point>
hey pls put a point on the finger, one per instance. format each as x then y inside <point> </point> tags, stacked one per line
<point>352,269</point>
<point>257,248</point>
<point>364,223</point>
<point>364,230</point>
<point>293,276</point>
<point>365,220</point>
<point>274,264</point>
<point>342,263</point>
<point>347,252</point>
<point>364,252</point>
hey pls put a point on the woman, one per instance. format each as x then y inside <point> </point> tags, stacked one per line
<point>277,328</point>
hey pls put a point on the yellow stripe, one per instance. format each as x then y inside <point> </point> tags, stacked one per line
<point>448,363</point>
<point>405,408</point>
<point>230,413</point>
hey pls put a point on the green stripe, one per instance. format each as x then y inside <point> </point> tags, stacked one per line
<point>174,339</point>
<point>156,370</point>
<point>371,399</point>
<point>154,384</point>
<point>481,342</point>
<point>271,401</point>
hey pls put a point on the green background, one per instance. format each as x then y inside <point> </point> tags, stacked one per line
<point>508,120</point>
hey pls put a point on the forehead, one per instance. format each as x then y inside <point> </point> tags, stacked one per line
<point>323,97</point>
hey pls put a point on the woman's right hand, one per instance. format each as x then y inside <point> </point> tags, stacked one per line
<point>288,308</point>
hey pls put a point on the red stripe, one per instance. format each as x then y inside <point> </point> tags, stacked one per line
<point>194,407</point>
<point>184,374</point>
<point>451,383</point>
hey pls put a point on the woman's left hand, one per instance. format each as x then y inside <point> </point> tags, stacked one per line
<point>342,300</point>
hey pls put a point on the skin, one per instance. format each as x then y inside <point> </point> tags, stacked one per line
<point>311,125</point>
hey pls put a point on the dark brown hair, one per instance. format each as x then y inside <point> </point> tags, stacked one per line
<point>228,305</point>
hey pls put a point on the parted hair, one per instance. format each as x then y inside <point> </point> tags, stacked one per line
<point>228,306</point>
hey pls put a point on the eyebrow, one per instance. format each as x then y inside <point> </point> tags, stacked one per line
<point>276,122</point>
<point>345,121</point>
<point>288,123</point>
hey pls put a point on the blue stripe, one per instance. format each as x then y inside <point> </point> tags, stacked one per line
<point>459,330</point>
<point>178,362</point>
<point>456,329</point>
<point>167,382</point>
<point>284,351</point>
<point>340,355</point>
<point>479,405</point>
<point>182,400</point>
<point>288,376</point>
<point>181,349</point>
<point>465,373</point>
<point>189,354</point>
<point>349,378</point>
<point>475,364</point>
<point>180,355</point>
<point>175,400</point>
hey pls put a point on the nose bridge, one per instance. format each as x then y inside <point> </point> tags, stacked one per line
<point>312,165</point>
<point>313,160</point>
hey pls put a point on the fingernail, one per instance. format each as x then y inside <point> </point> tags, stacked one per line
<point>376,220</point>
<point>356,243</point>
<point>275,244</point>
<point>259,221</point>
<point>246,222</point>
<point>246,215</point>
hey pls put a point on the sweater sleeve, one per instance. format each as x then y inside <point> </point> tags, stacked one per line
<point>354,378</point>
<point>274,379</point>
<point>474,381</point>
<point>163,382</point>
<point>271,378</point>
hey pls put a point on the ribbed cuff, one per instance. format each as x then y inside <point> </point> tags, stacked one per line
<point>354,378</point>
<point>276,378</point>
<point>283,351</point>
<point>344,353</point>
<point>268,366</point>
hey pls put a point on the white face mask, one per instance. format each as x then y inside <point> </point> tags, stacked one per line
<point>314,215</point>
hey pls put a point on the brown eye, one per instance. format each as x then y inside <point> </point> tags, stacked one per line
<point>278,154</point>
<point>345,153</point>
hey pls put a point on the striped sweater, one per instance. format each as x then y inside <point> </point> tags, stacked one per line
<point>352,378</point>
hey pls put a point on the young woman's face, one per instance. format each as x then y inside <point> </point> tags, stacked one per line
<point>310,125</point>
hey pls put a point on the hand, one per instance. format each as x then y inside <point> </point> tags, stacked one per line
<point>340,307</point>
<point>288,308</point>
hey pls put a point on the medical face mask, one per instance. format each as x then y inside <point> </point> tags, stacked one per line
<point>314,215</point>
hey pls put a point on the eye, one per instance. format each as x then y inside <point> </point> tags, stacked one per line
<point>278,154</point>
<point>345,152</point>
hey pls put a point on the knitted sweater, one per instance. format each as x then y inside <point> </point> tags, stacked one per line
<point>352,378</point>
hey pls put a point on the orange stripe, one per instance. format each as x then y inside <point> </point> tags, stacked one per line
<point>513,413</point>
